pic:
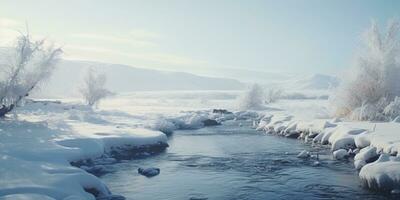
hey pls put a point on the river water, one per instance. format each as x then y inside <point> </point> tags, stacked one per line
<point>236,162</point>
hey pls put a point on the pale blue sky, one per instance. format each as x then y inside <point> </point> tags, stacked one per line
<point>202,36</point>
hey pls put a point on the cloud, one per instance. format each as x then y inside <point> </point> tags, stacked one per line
<point>7,22</point>
<point>129,39</point>
<point>138,47</point>
<point>109,55</point>
<point>127,48</point>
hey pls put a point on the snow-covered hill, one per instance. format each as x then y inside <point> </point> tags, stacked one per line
<point>315,82</point>
<point>318,82</point>
<point>122,78</point>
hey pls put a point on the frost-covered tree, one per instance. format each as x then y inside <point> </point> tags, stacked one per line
<point>26,65</point>
<point>253,98</point>
<point>273,95</point>
<point>375,81</point>
<point>93,89</point>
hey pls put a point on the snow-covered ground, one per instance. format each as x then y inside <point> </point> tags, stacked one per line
<point>39,144</point>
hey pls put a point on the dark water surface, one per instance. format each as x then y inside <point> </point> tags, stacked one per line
<point>233,162</point>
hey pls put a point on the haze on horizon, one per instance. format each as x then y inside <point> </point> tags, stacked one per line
<point>202,37</point>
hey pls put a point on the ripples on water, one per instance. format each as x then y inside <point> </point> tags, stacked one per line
<point>232,162</point>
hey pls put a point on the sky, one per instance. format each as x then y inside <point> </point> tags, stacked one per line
<point>204,37</point>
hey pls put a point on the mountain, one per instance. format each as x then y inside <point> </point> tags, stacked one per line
<point>318,82</point>
<point>123,78</point>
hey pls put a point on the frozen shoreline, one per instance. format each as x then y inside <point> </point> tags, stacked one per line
<point>54,150</point>
<point>375,146</point>
<point>36,155</point>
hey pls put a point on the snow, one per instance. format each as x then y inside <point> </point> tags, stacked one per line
<point>366,140</point>
<point>37,148</point>
<point>343,137</point>
<point>303,154</point>
<point>386,138</point>
<point>383,174</point>
<point>340,154</point>
<point>163,125</point>
<point>43,145</point>
<point>365,155</point>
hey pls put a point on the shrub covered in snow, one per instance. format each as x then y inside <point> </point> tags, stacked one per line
<point>94,89</point>
<point>253,98</point>
<point>393,109</point>
<point>375,82</point>
<point>367,112</point>
<point>29,64</point>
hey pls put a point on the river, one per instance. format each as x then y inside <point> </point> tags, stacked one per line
<point>233,161</point>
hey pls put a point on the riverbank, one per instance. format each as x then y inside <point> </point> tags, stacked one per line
<point>373,147</point>
<point>234,161</point>
<point>57,150</point>
<point>38,148</point>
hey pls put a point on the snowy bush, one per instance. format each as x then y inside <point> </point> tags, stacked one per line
<point>28,65</point>
<point>273,95</point>
<point>367,112</point>
<point>94,89</point>
<point>375,80</point>
<point>393,109</point>
<point>253,98</point>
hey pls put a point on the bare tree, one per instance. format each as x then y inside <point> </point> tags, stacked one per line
<point>28,65</point>
<point>253,98</point>
<point>94,87</point>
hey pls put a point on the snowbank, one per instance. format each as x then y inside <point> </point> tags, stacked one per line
<point>383,174</point>
<point>36,150</point>
<point>197,119</point>
<point>366,140</point>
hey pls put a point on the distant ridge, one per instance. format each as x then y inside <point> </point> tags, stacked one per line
<point>123,78</point>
